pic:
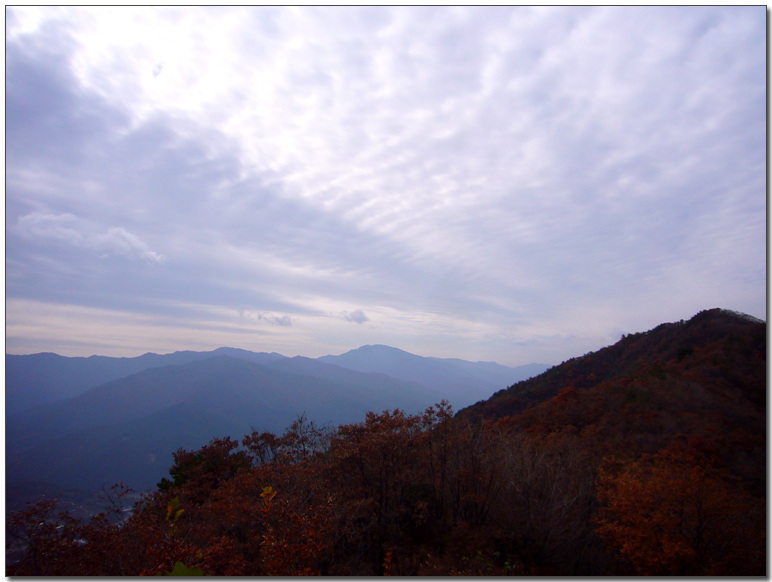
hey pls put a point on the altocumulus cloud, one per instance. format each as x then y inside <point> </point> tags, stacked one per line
<point>68,228</point>
<point>489,183</point>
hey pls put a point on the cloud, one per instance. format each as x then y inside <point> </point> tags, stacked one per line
<point>59,227</point>
<point>267,317</point>
<point>280,320</point>
<point>69,229</point>
<point>119,241</point>
<point>357,316</point>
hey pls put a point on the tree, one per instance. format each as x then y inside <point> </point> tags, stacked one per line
<point>302,439</point>
<point>373,465</point>
<point>263,446</point>
<point>672,513</point>
<point>42,537</point>
<point>199,472</point>
<point>550,496</point>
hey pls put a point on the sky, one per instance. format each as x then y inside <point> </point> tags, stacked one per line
<point>501,184</point>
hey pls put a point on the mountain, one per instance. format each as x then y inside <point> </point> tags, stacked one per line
<point>84,422</point>
<point>640,355</point>
<point>458,381</point>
<point>126,430</point>
<point>388,389</point>
<point>647,457</point>
<point>700,383</point>
<point>44,378</point>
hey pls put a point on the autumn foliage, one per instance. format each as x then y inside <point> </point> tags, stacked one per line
<point>654,467</point>
<point>674,514</point>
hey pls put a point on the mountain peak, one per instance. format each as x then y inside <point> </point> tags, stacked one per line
<point>665,347</point>
<point>378,348</point>
<point>741,315</point>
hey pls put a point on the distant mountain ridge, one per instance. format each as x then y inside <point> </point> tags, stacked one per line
<point>43,378</point>
<point>186,398</point>
<point>47,377</point>
<point>457,380</point>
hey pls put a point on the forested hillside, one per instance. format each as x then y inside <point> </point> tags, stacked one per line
<point>644,458</point>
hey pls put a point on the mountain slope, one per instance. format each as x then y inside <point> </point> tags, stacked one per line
<point>388,390</point>
<point>699,384</point>
<point>632,356</point>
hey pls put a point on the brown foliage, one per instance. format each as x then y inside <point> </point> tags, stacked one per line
<point>672,514</point>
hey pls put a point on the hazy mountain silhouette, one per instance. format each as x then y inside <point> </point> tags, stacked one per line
<point>458,381</point>
<point>44,378</point>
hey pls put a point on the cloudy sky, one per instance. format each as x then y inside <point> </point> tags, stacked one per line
<point>505,184</point>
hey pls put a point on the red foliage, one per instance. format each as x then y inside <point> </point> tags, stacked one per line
<point>671,514</point>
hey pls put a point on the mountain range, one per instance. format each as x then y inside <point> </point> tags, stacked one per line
<point>81,423</point>
<point>87,422</point>
<point>663,431</point>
